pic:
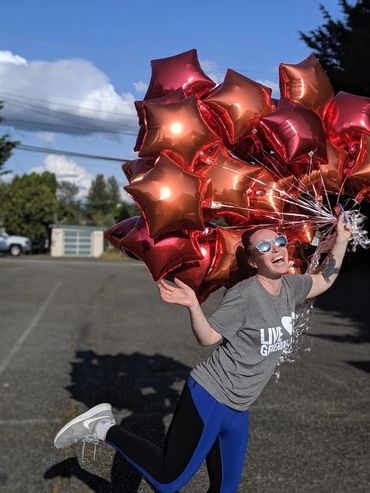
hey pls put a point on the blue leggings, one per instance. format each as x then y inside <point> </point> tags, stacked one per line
<point>202,428</point>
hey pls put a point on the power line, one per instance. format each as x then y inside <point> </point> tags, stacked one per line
<point>47,150</point>
<point>67,127</point>
<point>28,98</point>
<point>62,115</point>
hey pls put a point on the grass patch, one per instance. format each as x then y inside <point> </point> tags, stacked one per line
<point>114,255</point>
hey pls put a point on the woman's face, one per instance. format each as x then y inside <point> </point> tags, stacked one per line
<point>273,264</point>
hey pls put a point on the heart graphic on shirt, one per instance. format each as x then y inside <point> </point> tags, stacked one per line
<point>287,323</point>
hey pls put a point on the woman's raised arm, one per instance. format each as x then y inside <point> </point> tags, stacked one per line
<point>329,269</point>
<point>185,296</point>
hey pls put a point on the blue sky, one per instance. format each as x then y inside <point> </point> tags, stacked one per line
<point>90,60</point>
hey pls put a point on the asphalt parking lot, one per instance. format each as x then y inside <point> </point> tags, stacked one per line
<point>74,333</point>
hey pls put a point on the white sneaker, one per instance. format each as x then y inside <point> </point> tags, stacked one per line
<point>82,428</point>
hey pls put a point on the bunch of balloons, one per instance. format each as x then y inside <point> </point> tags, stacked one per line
<point>216,161</point>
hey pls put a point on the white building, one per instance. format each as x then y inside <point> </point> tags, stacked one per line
<point>76,241</point>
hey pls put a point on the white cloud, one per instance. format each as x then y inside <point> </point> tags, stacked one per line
<point>69,96</point>
<point>47,137</point>
<point>8,57</point>
<point>66,170</point>
<point>7,177</point>
<point>140,86</point>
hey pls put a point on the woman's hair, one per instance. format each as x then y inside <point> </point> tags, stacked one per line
<point>246,236</point>
<point>246,239</point>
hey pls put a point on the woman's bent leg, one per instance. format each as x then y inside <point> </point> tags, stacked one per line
<point>193,430</point>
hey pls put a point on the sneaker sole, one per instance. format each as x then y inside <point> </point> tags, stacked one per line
<point>81,417</point>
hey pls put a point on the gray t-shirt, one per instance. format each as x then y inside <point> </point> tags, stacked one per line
<point>256,327</point>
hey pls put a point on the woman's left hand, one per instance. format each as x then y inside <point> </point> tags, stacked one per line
<point>344,230</point>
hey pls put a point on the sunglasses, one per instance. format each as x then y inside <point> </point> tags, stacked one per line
<point>265,246</point>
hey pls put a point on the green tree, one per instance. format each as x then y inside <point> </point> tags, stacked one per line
<point>103,202</point>
<point>69,207</point>
<point>126,210</point>
<point>98,203</point>
<point>3,187</point>
<point>115,196</point>
<point>30,206</point>
<point>6,146</point>
<point>114,190</point>
<point>342,47</point>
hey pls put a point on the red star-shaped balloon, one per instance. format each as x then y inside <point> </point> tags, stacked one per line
<point>169,197</point>
<point>193,273</point>
<point>264,197</point>
<point>163,255</point>
<point>177,127</point>
<point>328,176</point>
<point>296,134</point>
<point>358,179</point>
<point>347,117</point>
<point>172,97</point>
<point>136,168</point>
<point>229,263</point>
<point>183,70</point>
<point>229,178</point>
<point>239,102</point>
<point>116,233</point>
<point>307,83</point>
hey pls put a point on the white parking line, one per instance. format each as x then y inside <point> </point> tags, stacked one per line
<point>28,330</point>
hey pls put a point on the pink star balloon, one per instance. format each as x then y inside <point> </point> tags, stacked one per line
<point>116,233</point>
<point>163,255</point>
<point>229,262</point>
<point>296,134</point>
<point>179,71</point>
<point>193,273</point>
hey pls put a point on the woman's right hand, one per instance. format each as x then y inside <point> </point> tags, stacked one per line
<point>182,295</point>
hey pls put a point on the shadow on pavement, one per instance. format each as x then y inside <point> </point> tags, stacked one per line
<point>146,386</point>
<point>349,299</point>
<point>70,467</point>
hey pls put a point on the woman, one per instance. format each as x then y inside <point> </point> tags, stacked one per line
<point>254,325</point>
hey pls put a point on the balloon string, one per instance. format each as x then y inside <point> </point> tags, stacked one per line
<point>296,201</point>
<point>309,173</point>
<point>311,206</point>
<point>288,223</point>
<point>302,188</point>
<point>342,187</point>
<point>228,206</point>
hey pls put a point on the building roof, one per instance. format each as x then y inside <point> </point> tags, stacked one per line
<point>79,226</point>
